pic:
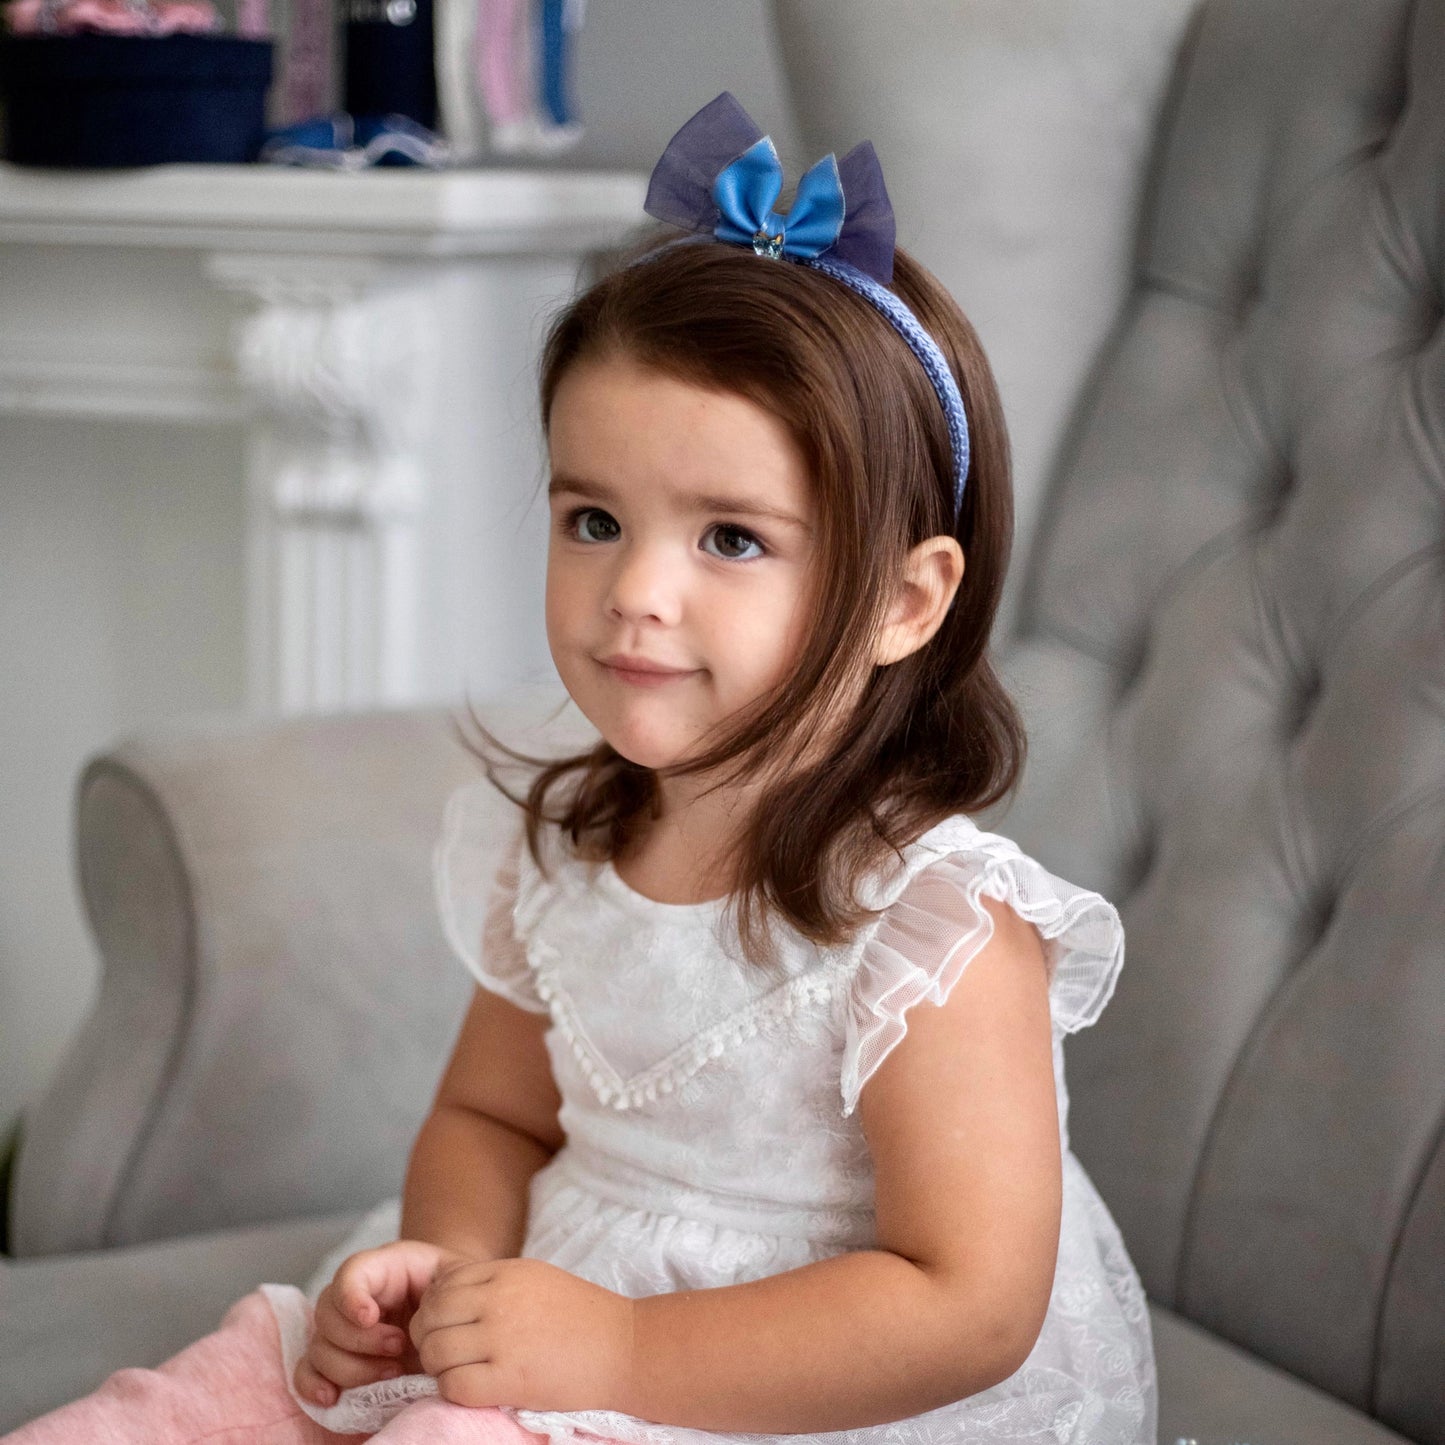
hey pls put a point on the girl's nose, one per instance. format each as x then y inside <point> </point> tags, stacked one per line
<point>645,584</point>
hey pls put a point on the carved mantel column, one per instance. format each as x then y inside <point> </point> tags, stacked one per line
<point>375,336</point>
<point>339,361</point>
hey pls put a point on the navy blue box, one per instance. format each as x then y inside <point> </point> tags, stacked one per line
<point>132,100</point>
<point>389,68</point>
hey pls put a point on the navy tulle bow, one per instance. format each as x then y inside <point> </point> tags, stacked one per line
<point>721,175</point>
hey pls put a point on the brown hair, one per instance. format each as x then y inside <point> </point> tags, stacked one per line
<point>932,734</point>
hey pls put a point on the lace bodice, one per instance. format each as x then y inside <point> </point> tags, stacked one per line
<point>710,1105</point>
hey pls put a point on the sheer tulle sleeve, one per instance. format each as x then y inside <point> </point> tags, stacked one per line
<point>928,936</point>
<point>475,870</point>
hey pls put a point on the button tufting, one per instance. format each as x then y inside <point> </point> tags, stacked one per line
<point>1249,293</point>
<point>1131,668</point>
<point>1273,494</point>
<point>1319,914</point>
<point>1300,704</point>
<point>1146,853</point>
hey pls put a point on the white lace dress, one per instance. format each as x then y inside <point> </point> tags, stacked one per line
<point>709,1109</point>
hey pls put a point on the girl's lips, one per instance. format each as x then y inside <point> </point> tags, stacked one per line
<point>641,673</point>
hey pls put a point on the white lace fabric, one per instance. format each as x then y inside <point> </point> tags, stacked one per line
<point>937,926</point>
<point>710,1107</point>
<point>475,882</point>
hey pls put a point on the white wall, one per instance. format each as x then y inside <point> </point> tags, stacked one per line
<point>119,605</point>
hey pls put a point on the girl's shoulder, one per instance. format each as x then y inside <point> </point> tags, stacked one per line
<point>934,892</point>
<point>957,837</point>
<point>933,922</point>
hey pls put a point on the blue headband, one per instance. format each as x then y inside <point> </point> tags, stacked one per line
<point>719,177</point>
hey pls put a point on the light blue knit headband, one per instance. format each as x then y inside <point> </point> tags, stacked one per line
<point>719,177</point>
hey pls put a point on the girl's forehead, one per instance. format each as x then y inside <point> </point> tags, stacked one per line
<point>597,389</point>
<point>617,429</point>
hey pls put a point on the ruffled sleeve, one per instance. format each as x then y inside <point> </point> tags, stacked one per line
<point>937,925</point>
<point>475,869</point>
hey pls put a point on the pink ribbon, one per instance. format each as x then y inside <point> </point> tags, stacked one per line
<point>306,70</point>
<point>502,56</point>
<point>112,17</point>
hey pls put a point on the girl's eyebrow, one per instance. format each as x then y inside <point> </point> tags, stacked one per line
<point>738,506</point>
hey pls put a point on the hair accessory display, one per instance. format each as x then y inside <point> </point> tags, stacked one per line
<point>112,17</point>
<point>342,142</point>
<point>522,54</point>
<point>720,176</point>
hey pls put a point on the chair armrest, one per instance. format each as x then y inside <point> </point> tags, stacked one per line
<point>277,998</point>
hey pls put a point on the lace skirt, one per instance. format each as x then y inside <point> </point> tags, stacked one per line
<point>1088,1381</point>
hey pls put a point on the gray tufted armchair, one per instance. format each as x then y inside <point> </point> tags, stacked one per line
<point>1231,653</point>
<point>1234,655</point>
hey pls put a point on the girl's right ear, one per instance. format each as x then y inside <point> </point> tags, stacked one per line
<point>932,572</point>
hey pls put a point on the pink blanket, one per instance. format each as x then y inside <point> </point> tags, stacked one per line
<point>230,1388</point>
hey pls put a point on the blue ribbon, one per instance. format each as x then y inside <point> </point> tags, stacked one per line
<point>746,190</point>
<point>720,176</point>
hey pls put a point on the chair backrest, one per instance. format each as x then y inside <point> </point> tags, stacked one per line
<point>1013,135</point>
<point>1234,670</point>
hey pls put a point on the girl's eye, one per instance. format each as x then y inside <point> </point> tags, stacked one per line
<point>597,525</point>
<point>733,542</point>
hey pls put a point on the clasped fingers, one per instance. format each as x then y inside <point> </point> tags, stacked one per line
<point>454,1301</point>
<point>342,1354</point>
<point>523,1333</point>
<point>336,1326</point>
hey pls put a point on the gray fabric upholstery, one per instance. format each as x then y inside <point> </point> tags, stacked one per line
<point>277,998</point>
<point>65,1324</point>
<point>1012,134</point>
<point>1237,616</point>
<point>1211,1391</point>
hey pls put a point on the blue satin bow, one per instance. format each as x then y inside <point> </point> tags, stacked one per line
<point>745,192</point>
<point>720,174</point>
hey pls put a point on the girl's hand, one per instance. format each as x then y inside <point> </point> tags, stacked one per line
<point>525,1333</point>
<point>360,1333</point>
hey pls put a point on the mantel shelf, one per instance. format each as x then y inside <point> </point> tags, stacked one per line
<point>382,212</point>
<point>376,336</point>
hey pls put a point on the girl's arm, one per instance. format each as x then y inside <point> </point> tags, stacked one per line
<point>962,1123</point>
<point>492,1125</point>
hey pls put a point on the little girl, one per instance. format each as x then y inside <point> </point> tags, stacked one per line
<point>756,1125</point>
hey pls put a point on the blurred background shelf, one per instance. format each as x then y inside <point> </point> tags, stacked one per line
<point>382,211</point>
<point>375,336</point>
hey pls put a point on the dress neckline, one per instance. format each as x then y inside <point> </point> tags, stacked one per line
<point>618,887</point>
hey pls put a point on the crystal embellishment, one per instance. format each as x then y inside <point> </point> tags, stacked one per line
<point>770,246</point>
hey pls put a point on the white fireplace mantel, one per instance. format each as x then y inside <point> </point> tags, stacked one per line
<point>384,211</point>
<point>376,335</point>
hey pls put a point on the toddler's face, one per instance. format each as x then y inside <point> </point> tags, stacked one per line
<point>682,540</point>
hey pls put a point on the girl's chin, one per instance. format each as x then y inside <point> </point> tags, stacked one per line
<point>646,746</point>
<point>645,752</point>
<point>647,729</point>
